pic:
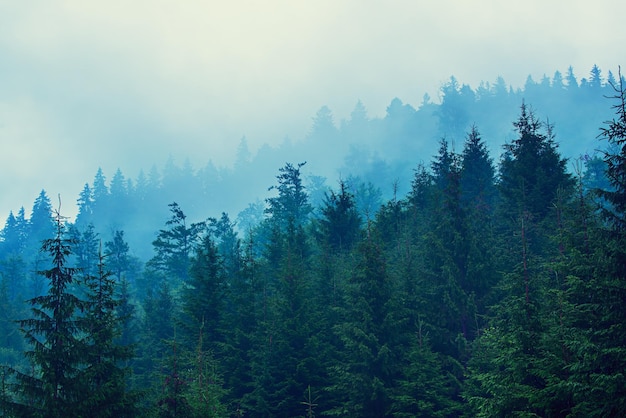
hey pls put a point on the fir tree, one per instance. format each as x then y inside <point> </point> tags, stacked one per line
<point>174,246</point>
<point>105,376</point>
<point>599,373</point>
<point>203,296</point>
<point>340,224</point>
<point>362,380</point>
<point>54,388</point>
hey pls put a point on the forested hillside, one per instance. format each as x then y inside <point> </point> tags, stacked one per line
<point>466,258</point>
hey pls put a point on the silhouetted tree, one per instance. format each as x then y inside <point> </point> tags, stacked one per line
<point>174,246</point>
<point>339,226</point>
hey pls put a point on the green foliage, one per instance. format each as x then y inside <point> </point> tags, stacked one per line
<point>363,378</point>
<point>70,345</point>
<point>52,336</point>
<point>174,245</point>
<point>615,159</point>
<point>339,225</point>
<point>425,388</point>
<point>532,170</point>
<point>190,385</point>
<point>106,372</point>
<point>291,205</point>
<point>203,295</point>
<point>462,298</point>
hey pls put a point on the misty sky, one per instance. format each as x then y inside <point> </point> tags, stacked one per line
<point>88,84</point>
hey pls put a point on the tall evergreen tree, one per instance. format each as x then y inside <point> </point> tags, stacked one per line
<point>157,332</point>
<point>531,174</point>
<point>85,250</point>
<point>598,375</point>
<point>241,325</point>
<point>56,352</point>
<point>477,173</point>
<point>478,199</point>
<point>174,246</point>
<point>340,224</point>
<point>291,205</point>
<point>105,392</point>
<point>510,370</point>
<point>615,159</point>
<point>362,380</point>
<point>285,362</point>
<point>119,199</point>
<point>203,296</point>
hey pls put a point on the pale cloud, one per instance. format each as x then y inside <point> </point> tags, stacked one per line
<point>126,83</point>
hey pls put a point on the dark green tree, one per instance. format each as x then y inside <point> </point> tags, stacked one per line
<point>598,376</point>
<point>228,243</point>
<point>477,173</point>
<point>425,389</point>
<point>615,159</point>
<point>445,249</point>
<point>478,200</point>
<point>362,380</point>
<point>515,361</point>
<point>240,324</point>
<point>203,300</point>
<point>340,224</point>
<point>106,373</point>
<point>157,331</point>
<point>285,362</point>
<point>291,205</point>
<point>54,388</point>
<point>174,246</point>
<point>531,170</point>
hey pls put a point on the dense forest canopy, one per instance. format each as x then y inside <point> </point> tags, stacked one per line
<point>464,258</point>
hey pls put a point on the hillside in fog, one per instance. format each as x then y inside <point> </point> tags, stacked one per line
<point>399,266</point>
<point>376,157</point>
<point>285,209</point>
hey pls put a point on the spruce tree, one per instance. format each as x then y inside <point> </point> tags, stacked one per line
<point>340,223</point>
<point>362,380</point>
<point>203,296</point>
<point>531,170</point>
<point>174,246</point>
<point>598,376</point>
<point>285,361</point>
<point>511,370</point>
<point>54,387</point>
<point>240,324</point>
<point>478,199</point>
<point>105,375</point>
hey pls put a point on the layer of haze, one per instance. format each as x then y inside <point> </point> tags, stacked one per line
<point>88,84</point>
